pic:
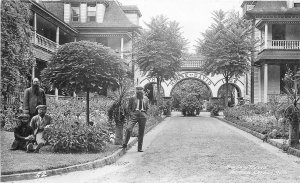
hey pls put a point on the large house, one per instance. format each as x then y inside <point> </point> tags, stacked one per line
<point>56,22</point>
<point>277,29</point>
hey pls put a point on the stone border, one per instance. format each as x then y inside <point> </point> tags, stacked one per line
<point>290,150</point>
<point>79,167</point>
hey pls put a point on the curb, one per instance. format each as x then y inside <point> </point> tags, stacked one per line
<point>290,150</point>
<point>79,167</point>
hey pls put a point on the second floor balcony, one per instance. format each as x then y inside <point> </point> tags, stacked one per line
<point>193,64</point>
<point>280,45</point>
<point>44,42</point>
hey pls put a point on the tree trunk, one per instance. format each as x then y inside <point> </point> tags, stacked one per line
<point>158,91</point>
<point>119,134</point>
<point>226,94</point>
<point>294,131</point>
<point>87,106</point>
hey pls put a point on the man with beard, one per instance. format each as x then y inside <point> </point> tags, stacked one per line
<point>39,123</point>
<point>23,135</point>
<point>137,106</point>
<point>33,97</point>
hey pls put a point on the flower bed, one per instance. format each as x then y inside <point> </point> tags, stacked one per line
<point>257,118</point>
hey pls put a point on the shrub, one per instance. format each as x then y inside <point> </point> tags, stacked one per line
<point>215,111</point>
<point>66,137</point>
<point>190,104</point>
<point>9,119</point>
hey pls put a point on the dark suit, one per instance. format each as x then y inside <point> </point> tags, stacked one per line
<point>138,114</point>
<point>31,101</point>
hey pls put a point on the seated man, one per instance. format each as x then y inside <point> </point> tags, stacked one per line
<point>23,135</point>
<point>39,123</point>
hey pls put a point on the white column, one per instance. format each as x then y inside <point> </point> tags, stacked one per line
<point>34,26</point>
<point>33,69</point>
<point>265,83</point>
<point>266,36</point>
<point>259,85</point>
<point>56,94</point>
<point>57,37</point>
<point>122,47</point>
<point>75,39</point>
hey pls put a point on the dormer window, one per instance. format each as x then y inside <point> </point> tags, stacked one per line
<point>75,12</point>
<point>91,12</point>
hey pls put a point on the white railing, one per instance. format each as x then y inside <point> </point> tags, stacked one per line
<point>284,44</point>
<point>192,64</point>
<point>44,42</point>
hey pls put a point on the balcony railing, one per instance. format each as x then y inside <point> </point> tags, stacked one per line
<point>281,44</point>
<point>44,42</point>
<point>192,64</point>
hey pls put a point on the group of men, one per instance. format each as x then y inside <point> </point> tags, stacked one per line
<point>34,119</point>
<point>32,122</point>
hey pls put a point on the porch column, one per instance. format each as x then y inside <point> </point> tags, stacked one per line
<point>75,39</point>
<point>33,69</point>
<point>56,94</point>
<point>122,47</point>
<point>266,36</point>
<point>34,26</point>
<point>259,85</point>
<point>265,83</point>
<point>57,37</point>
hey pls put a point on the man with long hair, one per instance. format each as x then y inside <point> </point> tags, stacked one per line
<point>33,97</point>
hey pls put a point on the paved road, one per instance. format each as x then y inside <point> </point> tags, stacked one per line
<point>195,149</point>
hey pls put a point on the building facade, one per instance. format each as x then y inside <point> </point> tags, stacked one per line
<point>277,30</point>
<point>56,22</point>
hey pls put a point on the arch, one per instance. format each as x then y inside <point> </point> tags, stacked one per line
<point>191,78</point>
<point>236,87</point>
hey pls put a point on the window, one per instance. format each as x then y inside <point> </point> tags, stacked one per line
<point>75,13</point>
<point>91,12</point>
<point>297,5</point>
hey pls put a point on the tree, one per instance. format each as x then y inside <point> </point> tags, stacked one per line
<point>118,111</point>
<point>185,87</point>
<point>83,66</point>
<point>292,112</point>
<point>16,48</point>
<point>160,49</point>
<point>226,46</point>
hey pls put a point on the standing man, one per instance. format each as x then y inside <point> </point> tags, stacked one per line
<point>33,97</point>
<point>39,123</point>
<point>137,107</point>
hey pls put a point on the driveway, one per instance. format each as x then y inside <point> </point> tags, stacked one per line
<point>195,149</point>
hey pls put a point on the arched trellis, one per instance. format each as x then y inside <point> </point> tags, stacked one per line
<point>236,87</point>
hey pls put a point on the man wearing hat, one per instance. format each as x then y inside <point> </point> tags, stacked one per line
<point>39,123</point>
<point>137,107</point>
<point>23,135</point>
<point>33,97</point>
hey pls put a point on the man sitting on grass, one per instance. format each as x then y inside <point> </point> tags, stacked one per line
<point>23,135</point>
<point>39,123</point>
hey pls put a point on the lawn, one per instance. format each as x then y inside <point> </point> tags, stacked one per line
<point>20,161</point>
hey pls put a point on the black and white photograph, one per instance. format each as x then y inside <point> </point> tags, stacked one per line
<point>150,91</point>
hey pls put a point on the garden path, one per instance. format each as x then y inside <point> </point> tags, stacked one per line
<point>195,149</point>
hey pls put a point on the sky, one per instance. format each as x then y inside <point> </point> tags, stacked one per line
<point>194,16</point>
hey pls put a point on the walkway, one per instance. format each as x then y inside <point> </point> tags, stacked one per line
<point>195,149</point>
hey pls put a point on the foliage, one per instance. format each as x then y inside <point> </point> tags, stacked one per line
<point>9,120</point>
<point>256,117</point>
<point>215,111</point>
<point>190,104</point>
<point>186,87</point>
<point>16,48</point>
<point>159,50</point>
<point>70,134</point>
<point>68,138</point>
<point>226,46</point>
<point>83,66</point>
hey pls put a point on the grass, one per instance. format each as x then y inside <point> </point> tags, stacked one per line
<point>20,161</point>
